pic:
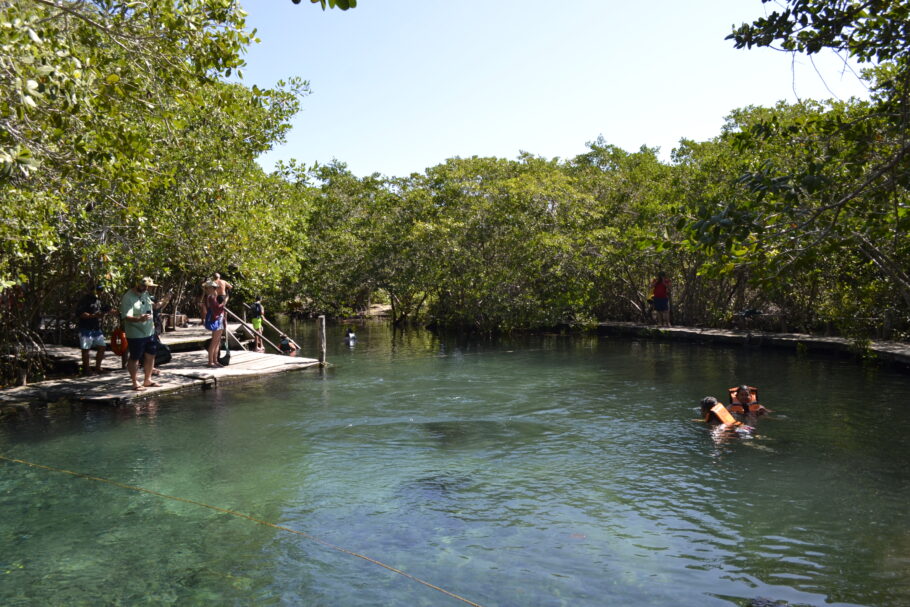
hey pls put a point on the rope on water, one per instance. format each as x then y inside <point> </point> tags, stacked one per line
<point>247,517</point>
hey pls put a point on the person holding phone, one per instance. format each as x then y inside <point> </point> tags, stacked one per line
<point>136,312</point>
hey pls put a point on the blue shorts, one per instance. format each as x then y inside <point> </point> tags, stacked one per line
<point>661,304</point>
<point>212,324</point>
<point>140,346</point>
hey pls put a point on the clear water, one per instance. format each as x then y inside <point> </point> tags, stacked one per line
<point>539,471</point>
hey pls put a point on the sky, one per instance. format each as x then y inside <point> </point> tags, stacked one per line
<point>402,85</point>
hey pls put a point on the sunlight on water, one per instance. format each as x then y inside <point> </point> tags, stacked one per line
<point>535,471</point>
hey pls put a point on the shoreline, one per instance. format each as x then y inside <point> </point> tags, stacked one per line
<point>187,370</point>
<point>897,353</point>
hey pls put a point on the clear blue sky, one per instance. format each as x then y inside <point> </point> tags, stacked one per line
<point>401,85</point>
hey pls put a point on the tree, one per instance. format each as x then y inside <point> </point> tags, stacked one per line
<point>826,178</point>
<point>628,233</point>
<point>334,274</point>
<point>866,30</point>
<point>115,127</point>
<point>505,235</point>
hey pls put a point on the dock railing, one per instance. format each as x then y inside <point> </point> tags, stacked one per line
<point>253,331</point>
<point>230,334</point>
<point>266,322</point>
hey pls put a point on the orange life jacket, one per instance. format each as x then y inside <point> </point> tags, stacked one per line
<point>118,341</point>
<point>738,407</point>
<point>723,415</point>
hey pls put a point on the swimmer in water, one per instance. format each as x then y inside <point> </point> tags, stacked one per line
<point>745,400</point>
<point>715,413</point>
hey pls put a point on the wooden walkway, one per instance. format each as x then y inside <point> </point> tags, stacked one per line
<point>888,351</point>
<point>186,370</point>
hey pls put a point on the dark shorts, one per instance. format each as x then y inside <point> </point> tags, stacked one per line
<point>140,346</point>
<point>661,304</point>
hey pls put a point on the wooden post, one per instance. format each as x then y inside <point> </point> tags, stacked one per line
<point>321,326</point>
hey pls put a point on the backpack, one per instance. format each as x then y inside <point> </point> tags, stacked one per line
<point>163,355</point>
<point>225,359</point>
<point>118,342</point>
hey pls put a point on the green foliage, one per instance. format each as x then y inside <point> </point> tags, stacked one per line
<point>825,184</point>
<point>342,4</point>
<point>507,236</point>
<point>122,152</point>
<point>867,30</point>
<point>493,245</point>
<point>627,233</point>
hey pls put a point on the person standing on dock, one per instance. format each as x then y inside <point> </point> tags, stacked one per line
<point>89,313</point>
<point>136,312</point>
<point>257,314</point>
<point>222,287</point>
<point>660,291</point>
<point>214,321</point>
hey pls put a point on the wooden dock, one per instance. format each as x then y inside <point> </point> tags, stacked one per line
<point>886,351</point>
<point>187,370</point>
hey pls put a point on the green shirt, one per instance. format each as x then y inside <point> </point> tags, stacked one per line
<point>136,304</point>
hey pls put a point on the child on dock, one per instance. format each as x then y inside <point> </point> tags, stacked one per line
<point>257,314</point>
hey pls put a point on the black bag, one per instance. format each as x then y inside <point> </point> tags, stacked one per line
<point>163,355</point>
<point>225,354</point>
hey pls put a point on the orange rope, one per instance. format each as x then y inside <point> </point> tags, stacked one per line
<point>249,518</point>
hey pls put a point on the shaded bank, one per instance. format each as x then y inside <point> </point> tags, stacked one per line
<point>897,353</point>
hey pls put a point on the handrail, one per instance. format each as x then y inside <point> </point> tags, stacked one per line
<point>250,328</point>
<point>229,333</point>
<point>280,332</point>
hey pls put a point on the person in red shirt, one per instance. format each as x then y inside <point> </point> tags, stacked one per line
<point>660,295</point>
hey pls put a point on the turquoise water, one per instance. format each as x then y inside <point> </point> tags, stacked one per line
<point>536,471</point>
